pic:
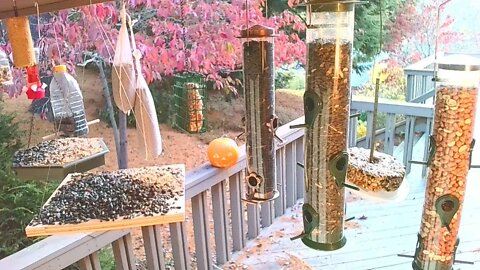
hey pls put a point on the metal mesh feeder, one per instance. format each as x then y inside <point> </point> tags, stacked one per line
<point>190,103</point>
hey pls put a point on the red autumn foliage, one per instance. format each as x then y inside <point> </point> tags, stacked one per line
<point>177,35</point>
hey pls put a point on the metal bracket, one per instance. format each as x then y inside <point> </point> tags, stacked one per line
<point>355,115</point>
<point>472,144</point>
<point>446,207</point>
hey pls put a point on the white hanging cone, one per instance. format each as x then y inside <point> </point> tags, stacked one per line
<point>123,71</point>
<point>148,129</point>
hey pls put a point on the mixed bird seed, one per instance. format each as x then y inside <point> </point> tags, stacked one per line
<point>109,196</point>
<point>57,152</point>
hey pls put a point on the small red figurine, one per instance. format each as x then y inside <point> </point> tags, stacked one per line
<point>35,89</point>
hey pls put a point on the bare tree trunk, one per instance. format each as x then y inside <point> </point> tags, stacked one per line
<point>108,98</point>
<point>122,152</point>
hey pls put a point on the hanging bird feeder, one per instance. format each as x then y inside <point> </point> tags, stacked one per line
<point>330,26</point>
<point>20,37</point>
<point>67,103</point>
<point>260,122</point>
<point>451,147</point>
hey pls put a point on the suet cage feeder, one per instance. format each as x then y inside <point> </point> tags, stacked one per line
<point>189,101</point>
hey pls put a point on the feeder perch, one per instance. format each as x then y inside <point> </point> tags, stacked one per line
<point>67,103</point>
<point>449,162</point>
<point>261,123</point>
<point>330,26</point>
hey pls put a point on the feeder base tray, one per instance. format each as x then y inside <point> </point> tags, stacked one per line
<point>324,246</point>
<point>382,196</point>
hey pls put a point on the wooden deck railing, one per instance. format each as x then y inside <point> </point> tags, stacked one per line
<point>215,196</point>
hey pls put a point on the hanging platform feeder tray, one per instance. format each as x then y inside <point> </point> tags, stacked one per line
<point>47,169</point>
<point>118,200</point>
<point>384,180</point>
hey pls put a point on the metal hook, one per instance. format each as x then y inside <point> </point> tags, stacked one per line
<point>15,10</point>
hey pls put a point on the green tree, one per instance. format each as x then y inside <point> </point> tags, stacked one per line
<point>367,25</point>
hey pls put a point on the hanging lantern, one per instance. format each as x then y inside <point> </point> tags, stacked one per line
<point>329,60</point>
<point>67,103</point>
<point>20,37</point>
<point>451,146</point>
<point>261,122</point>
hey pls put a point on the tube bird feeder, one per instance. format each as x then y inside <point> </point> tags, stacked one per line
<point>452,144</point>
<point>260,121</point>
<point>327,107</point>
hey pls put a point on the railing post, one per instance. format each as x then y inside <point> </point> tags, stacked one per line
<point>152,241</point>
<point>238,224</point>
<point>410,87</point>
<point>300,181</point>
<point>409,141</point>
<point>389,134</point>
<point>123,253</point>
<point>181,255</point>
<point>266,214</point>
<point>290,174</point>
<point>428,130</point>
<point>352,131</point>
<point>91,262</point>
<point>253,221</point>
<point>220,222</point>
<point>201,231</point>
<point>279,203</point>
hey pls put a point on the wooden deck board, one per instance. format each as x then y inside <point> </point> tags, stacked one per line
<point>372,242</point>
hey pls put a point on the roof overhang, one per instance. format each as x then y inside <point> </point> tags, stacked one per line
<point>27,7</point>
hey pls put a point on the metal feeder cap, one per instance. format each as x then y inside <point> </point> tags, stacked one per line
<point>459,62</point>
<point>257,31</point>
<point>329,5</point>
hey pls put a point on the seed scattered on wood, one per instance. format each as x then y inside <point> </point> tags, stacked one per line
<point>57,152</point>
<point>110,196</point>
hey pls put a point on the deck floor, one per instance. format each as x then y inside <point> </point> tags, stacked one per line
<point>379,232</point>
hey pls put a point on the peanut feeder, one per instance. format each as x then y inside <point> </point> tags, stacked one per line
<point>329,60</point>
<point>260,121</point>
<point>452,143</point>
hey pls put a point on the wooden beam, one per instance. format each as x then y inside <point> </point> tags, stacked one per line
<point>27,7</point>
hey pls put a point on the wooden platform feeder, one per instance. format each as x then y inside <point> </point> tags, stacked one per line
<point>171,175</point>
